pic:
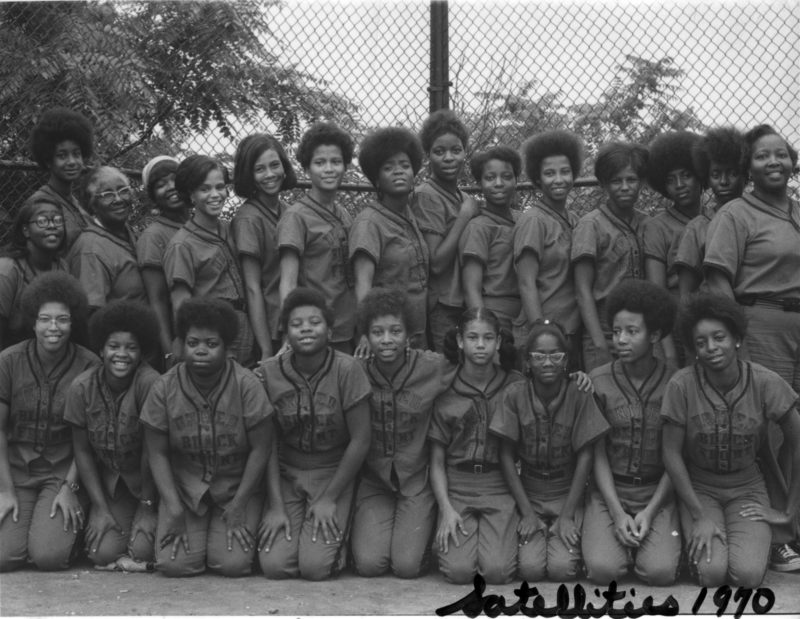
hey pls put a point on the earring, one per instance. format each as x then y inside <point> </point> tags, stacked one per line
<point>737,346</point>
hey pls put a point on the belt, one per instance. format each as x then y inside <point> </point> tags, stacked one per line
<point>787,305</point>
<point>637,480</point>
<point>537,474</point>
<point>469,467</point>
<point>237,304</point>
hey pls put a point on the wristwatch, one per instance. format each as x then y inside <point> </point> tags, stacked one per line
<point>72,485</point>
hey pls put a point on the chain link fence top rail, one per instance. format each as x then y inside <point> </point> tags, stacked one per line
<point>162,77</point>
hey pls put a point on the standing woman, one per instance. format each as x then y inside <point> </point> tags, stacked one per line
<point>61,143</point>
<point>321,404</point>
<point>716,414</point>
<point>103,406</point>
<point>477,531</point>
<point>200,260</point>
<point>486,247</point>
<point>103,257</point>
<point>543,238</point>
<point>395,509</point>
<point>40,510</point>
<point>386,246</point>
<point>262,170</point>
<point>158,178</point>
<point>551,424</point>
<point>208,434</point>
<point>717,158</point>
<point>607,244</point>
<point>313,232</point>
<point>36,242</point>
<point>442,211</point>
<point>671,173</point>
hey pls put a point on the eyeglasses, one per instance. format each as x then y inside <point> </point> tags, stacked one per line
<point>63,320</point>
<point>555,358</point>
<point>44,222</point>
<point>126,193</point>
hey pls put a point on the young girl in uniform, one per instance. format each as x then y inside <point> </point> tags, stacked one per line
<point>40,509</point>
<point>715,414</point>
<point>607,244</point>
<point>262,171</point>
<point>386,246</point>
<point>717,159</point>
<point>485,249</point>
<point>200,260</point>
<point>313,231</point>
<point>62,143</point>
<point>631,518</point>
<point>103,406</point>
<point>208,434</point>
<point>103,257</point>
<point>36,241</point>
<point>442,211</point>
<point>477,530</point>
<point>671,173</point>
<point>550,422</point>
<point>158,178</point>
<point>543,238</point>
<point>321,403</point>
<point>395,508</point>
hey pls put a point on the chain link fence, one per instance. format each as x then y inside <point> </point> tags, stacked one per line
<point>182,77</point>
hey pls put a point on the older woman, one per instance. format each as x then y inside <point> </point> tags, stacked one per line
<point>40,511</point>
<point>386,246</point>
<point>103,257</point>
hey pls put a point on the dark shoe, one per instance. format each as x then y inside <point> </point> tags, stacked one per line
<point>784,558</point>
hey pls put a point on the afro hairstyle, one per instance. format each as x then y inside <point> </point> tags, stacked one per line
<point>324,134</point>
<point>192,173</point>
<point>752,136</point>
<point>614,157</point>
<point>127,317</point>
<point>639,296</point>
<point>501,153</point>
<point>204,313</point>
<point>55,126</point>
<point>668,152</point>
<point>384,143</point>
<point>302,297</point>
<point>439,123</point>
<point>707,306</point>
<point>720,145</point>
<point>550,144</point>
<point>247,153</point>
<point>18,242</point>
<point>383,302</point>
<point>55,287</point>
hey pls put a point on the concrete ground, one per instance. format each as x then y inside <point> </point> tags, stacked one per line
<point>85,591</point>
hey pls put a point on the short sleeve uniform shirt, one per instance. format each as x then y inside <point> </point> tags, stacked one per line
<point>153,241</point>
<point>662,234</point>
<point>489,239</point>
<point>692,244</point>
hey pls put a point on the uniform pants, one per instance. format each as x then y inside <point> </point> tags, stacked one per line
<point>36,537</point>
<point>241,348</point>
<point>505,308</point>
<point>390,530</point>
<point>301,557</point>
<point>208,544</point>
<point>490,519</point>
<point>115,544</point>
<point>441,319</point>
<point>742,560</point>
<point>656,559</point>
<point>773,340</point>
<point>546,555</point>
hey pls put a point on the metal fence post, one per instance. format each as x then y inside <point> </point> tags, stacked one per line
<point>439,88</point>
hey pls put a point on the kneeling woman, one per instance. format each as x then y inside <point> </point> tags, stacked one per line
<point>208,441</point>
<point>716,413</point>
<point>103,405</point>
<point>477,530</point>
<point>321,402</point>
<point>395,508</point>
<point>551,423</point>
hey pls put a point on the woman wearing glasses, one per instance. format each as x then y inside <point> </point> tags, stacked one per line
<point>40,511</point>
<point>36,241</point>
<point>103,258</point>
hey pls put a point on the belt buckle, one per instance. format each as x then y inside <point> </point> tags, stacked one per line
<point>637,480</point>
<point>477,468</point>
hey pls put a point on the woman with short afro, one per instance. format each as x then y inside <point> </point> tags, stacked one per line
<point>62,143</point>
<point>543,237</point>
<point>387,248</point>
<point>443,211</point>
<point>313,231</point>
